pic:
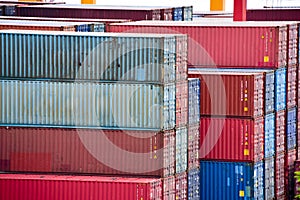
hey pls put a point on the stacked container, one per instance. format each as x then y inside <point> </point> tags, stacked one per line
<point>114,104</point>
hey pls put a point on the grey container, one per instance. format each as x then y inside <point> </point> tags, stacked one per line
<point>86,104</point>
<point>90,56</point>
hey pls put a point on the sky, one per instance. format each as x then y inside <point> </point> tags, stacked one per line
<point>199,5</point>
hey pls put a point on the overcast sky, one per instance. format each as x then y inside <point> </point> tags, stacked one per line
<point>199,5</point>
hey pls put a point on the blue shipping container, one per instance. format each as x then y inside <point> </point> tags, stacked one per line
<point>291,129</point>
<point>9,10</point>
<point>269,135</point>
<point>178,14</point>
<point>280,89</point>
<point>194,101</point>
<point>1,10</point>
<point>194,184</point>
<point>269,178</point>
<point>231,180</point>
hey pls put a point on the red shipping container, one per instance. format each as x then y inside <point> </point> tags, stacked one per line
<point>280,123</point>
<point>232,139</point>
<point>293,40</point>
<point>169,188</point>
<point>292,82</point>
<point>181,185</point>
<point>55,187</point>
<point>280,187</point>
<point>223,43</point>
<point>193,147</point>
<point>32,25</point>
<point>274,14</point>
<point>182,103</point>
<point>230,93</point>
<point>87,151</point>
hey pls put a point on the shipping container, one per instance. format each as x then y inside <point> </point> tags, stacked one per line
<point>193,146</point>
<point>34,187</point>
<point>291,84</point>
<point>86,104</point>
<point>194,101</point>
<point>280,89</point>
<point>178,14</point>
<point>181,149</point>
<point>293,44</point>
<point>269,133</point>
<point>181,181</point>
<point>269,178</point>
<point>182,103</point>
<point>112,152</point>
<point>280,123</point>
<point>91,11</point>
<point>31,2</point>
<point>1,11</point>
<point>273,14</point>
<point>280,187</point>
<point>169,188</point>
<point>231,180</point>
<point>10,9</point>
<point>232,139</point>
<point>92,56</point>
<point>290,172</point>
<point>226,93</point>
<point>194,184</point>
<point>187,13</point>
<point>297,184</point>
<point>247,44</point>
<point>291,128</point>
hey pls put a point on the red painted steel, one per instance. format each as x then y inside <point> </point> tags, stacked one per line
<point>280,123</point>
<point>273,14</point>
<point>280,187</point>
<point>239,10</point>
<point>293,40</point>
<point>182,103</point>
<point>55,187</point>
<point>298,133</point>
<point>231,94</point>
<point>249,45</point>
<point>193,146</point>
<point>292,82</point>
<point>181,185</point>
<point>169,188</point>
<point>87,151</point>
<point>232,139</point>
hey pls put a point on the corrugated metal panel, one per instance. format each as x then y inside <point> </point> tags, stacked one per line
<point>280,187</point>
<point>193,146</point>
<point>297,185</point>
<point>269,135</point>
<point>1,10</point>
<point>293,44</point>
<point>181,149</point>
<point>91,11</point>
<point>181,185</point>
<point>169,188</point>
<point>274,14</point>
<point>292,82</point>
<point>232,139</point>
<point>10,10</point>
<point>85,151</point>
<point>194,184</point>
<point>290,172</point>
<point>86,104</point>
<point>88,56</point>
<point>182,104</point>
<point>194,101</point>
<point>280,122</point>
<point>291,128</point>
<point>247,44</point>
<point>36,187</point>
<point>280,89</point>
<point>178,14</point>
<point>230,180</point>
<point>269,178</point>
<point>219,98</point>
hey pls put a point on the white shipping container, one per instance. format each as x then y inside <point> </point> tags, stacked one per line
<point>181,149</point>
<point>86,104</point>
